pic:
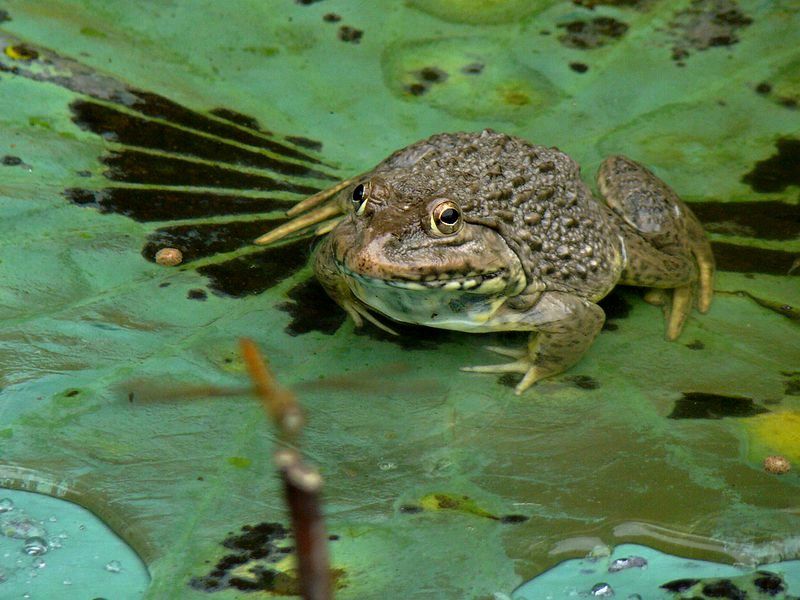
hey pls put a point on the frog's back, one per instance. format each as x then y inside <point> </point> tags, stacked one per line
<point>533,195</point>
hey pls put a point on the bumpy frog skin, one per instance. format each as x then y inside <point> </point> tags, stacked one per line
<point>487,232</point>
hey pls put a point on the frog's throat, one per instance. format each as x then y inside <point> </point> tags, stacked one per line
<point>502,281</point>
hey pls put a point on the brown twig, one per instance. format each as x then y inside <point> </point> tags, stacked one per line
<point>302,483</point>
<point>280,404</point>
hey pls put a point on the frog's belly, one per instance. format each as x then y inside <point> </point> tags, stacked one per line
<point>445,309</point>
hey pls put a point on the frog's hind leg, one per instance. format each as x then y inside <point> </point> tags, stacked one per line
<point>305,217</point>
<point>666,245</point>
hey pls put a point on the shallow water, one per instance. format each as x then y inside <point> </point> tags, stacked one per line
<point>126,129</point>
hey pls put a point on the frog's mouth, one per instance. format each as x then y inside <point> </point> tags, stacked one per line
<point>492,282</point>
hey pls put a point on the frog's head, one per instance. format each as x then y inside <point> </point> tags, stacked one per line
<point>401,232</point>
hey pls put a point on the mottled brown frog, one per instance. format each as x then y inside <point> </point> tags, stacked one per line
<point>487,232</point>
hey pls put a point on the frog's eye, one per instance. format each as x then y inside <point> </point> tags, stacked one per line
<point>446,218</point>
<point>360,197</point>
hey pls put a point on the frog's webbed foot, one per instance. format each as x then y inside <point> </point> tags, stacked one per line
<point>321,209</point>
<point>667,248</point>
<point>564,327</point>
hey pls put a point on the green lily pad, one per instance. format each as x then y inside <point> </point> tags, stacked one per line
<point>125,128</point>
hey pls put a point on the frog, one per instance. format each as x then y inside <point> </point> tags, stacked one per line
<point>487,232</point>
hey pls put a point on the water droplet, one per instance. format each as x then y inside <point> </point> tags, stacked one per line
<point>20,527</point>
<point>602,590</point>
<point>3,576</point>
<point>26,595</point>
<point>52,519</point>
<point>634,597</point>
<point>6,505</point>
<point>114,566</point>
<point>67,582</point>
<point>55,543</point>
<point>387,465</point>
<point>82,527</point>
<point>39,563</point>
<point>35,546</point>
<point>628,562</point>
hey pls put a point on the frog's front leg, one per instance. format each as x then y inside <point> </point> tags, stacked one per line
<point>562,328</point>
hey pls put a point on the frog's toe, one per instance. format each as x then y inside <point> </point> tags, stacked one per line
<point>705,280</point>
<point>510,352</point>
<point>530,373</point>
<point>679,310</point>
<point>522,365</point>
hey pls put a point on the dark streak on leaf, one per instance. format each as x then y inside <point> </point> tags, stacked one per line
<point>764,220</point>
<point>149,204</point>
<point>239,119</point>
<point>748,259</point>
<point>133,166</point>
<point>206,239</point>
<point>114,124</point>
<point>312,310</point>
<point>779,171</point>
<point>699,405</point>
<point>256,273</point>
<point>158,106</point>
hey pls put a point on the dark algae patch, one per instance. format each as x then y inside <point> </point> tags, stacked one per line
<point>706,24</point>
<point>350,34</point>
<point>161,204</point>
<point>430,76</point>
<point>238,118</point>
<point>679,585</point>
<point>740,259</point>
<point>305,142</point>
<point>206,239</point>
<point>197,294</point>
<point>169,163</point>
<point>136,166</point>
<point>578,67</point>
<point>255,273</point>
<point>11,161</point>
<point>699,405</point>
<point>779,171</point>
<point>592,33</point>
<point>768,220</point>
<point>312,310</point>
<point>760,584</point>
<point>250,563</point>
<point>159,107</point>
<point>583,382</point>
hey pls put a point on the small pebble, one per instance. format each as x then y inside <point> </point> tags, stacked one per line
<point>169,257</point>
<point>777,465</point>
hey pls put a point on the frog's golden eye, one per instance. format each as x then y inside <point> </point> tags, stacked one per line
<point>446,218</point>
<point>360,197</point>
